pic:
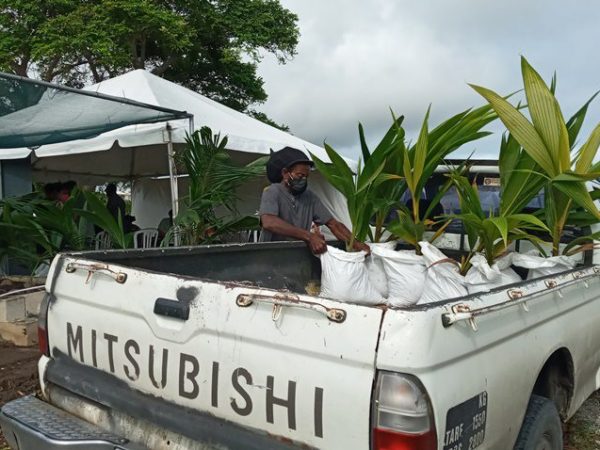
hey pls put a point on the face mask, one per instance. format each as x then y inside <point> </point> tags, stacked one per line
<point>297,185</point>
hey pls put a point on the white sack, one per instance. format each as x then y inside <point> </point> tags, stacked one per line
<point>443,279</point>
<point>344,277</point>
<point>377,275</point>
<point>483,277</point>
<point>540,266</point>
<point>405,273</point>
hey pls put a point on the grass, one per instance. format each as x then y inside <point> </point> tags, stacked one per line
<point>582,432</point>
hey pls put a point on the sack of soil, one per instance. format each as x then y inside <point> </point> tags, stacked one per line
<point>483,277</point>
<point>540,266</point>
<point>442,279</point>
<point>344,277</point>
<point>375,267</point>
<point>405,272</point>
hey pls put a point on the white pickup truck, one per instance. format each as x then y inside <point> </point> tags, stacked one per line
<point>221,347</point>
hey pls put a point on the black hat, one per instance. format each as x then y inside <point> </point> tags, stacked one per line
<point>284,159</point>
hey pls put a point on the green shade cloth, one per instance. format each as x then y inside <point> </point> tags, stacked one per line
<point>34,113</point>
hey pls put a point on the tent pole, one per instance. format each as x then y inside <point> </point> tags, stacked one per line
<point>191,125</point>
<point>172,174</point>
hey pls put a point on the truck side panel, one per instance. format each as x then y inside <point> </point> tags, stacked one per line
<point>480,381</point>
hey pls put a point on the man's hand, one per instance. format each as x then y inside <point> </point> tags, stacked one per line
<point>362,246</point>
<point>317,243</point>
<point>340,231</point>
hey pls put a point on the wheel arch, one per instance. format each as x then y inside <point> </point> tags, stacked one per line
<point>556,380</point>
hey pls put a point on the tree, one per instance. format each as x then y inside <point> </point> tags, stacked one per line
<point>210,46</point>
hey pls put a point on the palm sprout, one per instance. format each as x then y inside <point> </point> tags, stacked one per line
<point>213,182</point>
<point>550,161</point>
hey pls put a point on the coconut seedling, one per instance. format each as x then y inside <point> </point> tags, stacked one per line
<point>549,143</point>
<point>488,232</point>
<point>416,164</point>
<point>358,187</point>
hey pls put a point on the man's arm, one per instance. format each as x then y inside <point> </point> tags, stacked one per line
<point>276,225</point>
<point>341,232</point>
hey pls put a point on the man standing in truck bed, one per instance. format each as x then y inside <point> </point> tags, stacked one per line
<point>288,209</point>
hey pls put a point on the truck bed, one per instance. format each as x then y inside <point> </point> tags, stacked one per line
<point>261,264</point>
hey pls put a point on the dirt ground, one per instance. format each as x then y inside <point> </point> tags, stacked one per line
<point>18,377</point>
<point>18,371</point>
<point>583,430</point>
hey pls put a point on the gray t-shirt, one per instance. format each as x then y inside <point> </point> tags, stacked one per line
<point>298,210</point>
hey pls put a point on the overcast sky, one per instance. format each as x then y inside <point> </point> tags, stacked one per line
<point>358,58</point>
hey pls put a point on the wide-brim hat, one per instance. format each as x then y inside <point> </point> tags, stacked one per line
<point>284,159</point>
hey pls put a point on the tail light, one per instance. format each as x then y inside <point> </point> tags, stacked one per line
<point>402,414</point>
<point>43,343</point>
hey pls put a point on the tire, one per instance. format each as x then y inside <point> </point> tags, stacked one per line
<point>542,428</point>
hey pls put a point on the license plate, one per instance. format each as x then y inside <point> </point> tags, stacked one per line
<point>465,424</point>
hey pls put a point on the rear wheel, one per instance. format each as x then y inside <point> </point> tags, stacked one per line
<point>542,428</point>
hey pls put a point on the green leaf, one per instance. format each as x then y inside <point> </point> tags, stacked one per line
<point>575,123</point>
<point>546,116</point>
<point>577,192</point>
<point>522,130</point>
<point>576,177</point>
<point>338,179</point>
<point>366,181</point>
<point>408,173</point>
<point>529,218</point>
<point>501,223</point>
<point>406,229</point>
<point>518,177</point>
<point>581,218</point>
<point>393,136</point>
<point>366,154</point>
<point>421,148</point>
<point>468,195</point>
<point>338,162</point>
<point>588,151</point>
<point>510,152</point>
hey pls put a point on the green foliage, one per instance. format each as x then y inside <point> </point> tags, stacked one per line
<point>34,230</point>
<point>548,142</point>
<point>19,234</point>
<point>213,181</point>
<point>417,163</point>
<point>393,167</point>
<point>360,188</point>
<point>96,212</point>
<point>212,47</point>
<point>520,176</point>
<point>488,234</point>
<point>385,195</point>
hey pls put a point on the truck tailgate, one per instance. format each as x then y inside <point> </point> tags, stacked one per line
<point>288,371</point>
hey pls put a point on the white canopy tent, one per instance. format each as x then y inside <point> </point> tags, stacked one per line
<point>139,152</point>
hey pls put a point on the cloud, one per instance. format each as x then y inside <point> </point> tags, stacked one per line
<point>358,58</point>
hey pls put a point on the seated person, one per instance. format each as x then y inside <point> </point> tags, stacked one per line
<point>129,226</point>
<point>165,225</point>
